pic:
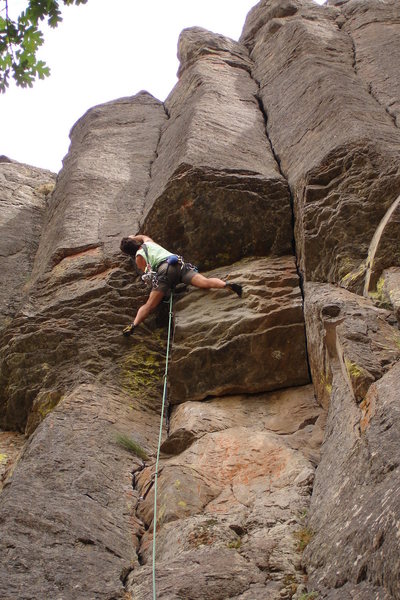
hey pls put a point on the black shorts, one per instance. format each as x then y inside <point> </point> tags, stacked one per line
<point>168,276</point>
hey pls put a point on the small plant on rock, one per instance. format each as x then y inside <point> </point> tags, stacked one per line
<point>303,537</point>
<point>127,442</point>
<point>235,544</point>
<point>291,585</point>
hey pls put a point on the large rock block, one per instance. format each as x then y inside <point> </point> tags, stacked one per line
<point>23,199</point>
<point>290,413</point>
<point>233,498</point>
<point>72,382</point>
<point>337,146</point>
<point>355,550</point>
<point>354,356</point>
<point>214,162</point>
<point>347,331</point>
<point>226,345</point>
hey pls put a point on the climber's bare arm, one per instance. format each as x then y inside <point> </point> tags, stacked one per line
<point>151,304</point>
<point>140,262</point>
<point>141,239</point>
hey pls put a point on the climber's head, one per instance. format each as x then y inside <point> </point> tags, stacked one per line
<point>129,246</point>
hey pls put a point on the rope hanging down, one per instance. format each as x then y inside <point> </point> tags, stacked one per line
<point>159,446</point>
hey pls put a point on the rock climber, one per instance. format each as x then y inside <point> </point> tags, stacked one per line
<point>165,270</point>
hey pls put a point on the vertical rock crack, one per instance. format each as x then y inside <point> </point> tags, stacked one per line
<point>293,218</point>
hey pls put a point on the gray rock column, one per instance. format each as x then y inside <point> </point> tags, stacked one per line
<point>24,191</point>
<point>354,551</point>
<point>216,194</point>
<point>336,144</point>
<point>374,27</point>
<point>106,173</point>
<point>231,499</point>
<point>78,291</point>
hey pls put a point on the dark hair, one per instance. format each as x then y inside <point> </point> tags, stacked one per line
<point>129,246</point>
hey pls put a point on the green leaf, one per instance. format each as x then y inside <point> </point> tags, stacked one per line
<point>20,40</point>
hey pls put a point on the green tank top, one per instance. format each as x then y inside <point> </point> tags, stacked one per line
<point>157,254</point>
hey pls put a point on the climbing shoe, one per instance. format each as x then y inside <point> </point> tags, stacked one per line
<point>235,287</point>
<point>128,330</point>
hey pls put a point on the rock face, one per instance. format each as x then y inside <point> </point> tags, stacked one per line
<point>214,162</point>
<point>252,487</point>
<point>273,163</point>
<point>69,376</point>
<point>341,157</point>
<point>67,499</point>
<point>118,180</point>
<point>348,329</point>
<point>216,333</point>
<point>354,360</point>
<point>359,476</point>
<point>24,191</point>
<point>75,272</point>
<point>374,27</point>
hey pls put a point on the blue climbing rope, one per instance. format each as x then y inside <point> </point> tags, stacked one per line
<point>159,446</point>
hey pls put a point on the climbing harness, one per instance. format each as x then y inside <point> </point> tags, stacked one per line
<point>159,445</point>
<point>152,278</point>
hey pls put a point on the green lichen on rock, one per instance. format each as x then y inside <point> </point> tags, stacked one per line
<point>48,402</point>
<point>201,535</point>
<point>45,188</point>
<point>140,371</point>
<point>235,544</point>
<point>351,273</point>
<point>346,266</point>
<point>379,297</point>
<point>5,322</point>
<point>326,383</point>
<point>43,405</point>
<point>353,370</point>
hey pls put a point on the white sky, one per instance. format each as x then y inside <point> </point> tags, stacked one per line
<point>103,50</point>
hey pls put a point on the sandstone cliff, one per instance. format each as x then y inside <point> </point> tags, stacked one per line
<point>274,162</point>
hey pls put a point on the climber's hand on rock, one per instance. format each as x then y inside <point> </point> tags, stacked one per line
<point>128,330</point>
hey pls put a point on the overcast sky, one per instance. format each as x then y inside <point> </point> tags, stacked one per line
<point>102,51</point>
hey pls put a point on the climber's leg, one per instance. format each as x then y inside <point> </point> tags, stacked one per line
<point>198,280</point>
<point>207,283</point>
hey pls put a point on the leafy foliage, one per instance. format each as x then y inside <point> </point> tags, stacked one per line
<point>21,38</point>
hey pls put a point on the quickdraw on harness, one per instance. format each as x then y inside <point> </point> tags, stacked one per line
<point>149,277</point>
